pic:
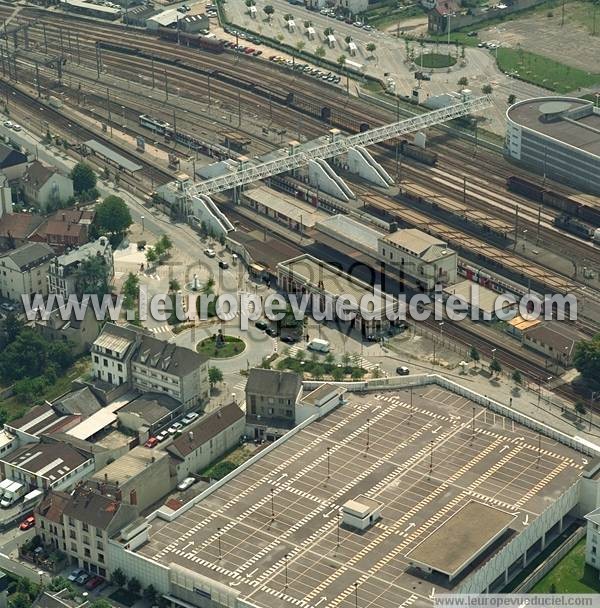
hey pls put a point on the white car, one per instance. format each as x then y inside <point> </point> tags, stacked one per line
<point>7,124</point>
<point>162,436</point>
<point>210,253</point>
<point>189,418</point>
<point>16,127</point>
<point>188,482</point>
<point>174,428</point>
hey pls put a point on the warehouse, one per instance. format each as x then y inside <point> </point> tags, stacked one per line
<point>558,137</point>
<point>497,487</point>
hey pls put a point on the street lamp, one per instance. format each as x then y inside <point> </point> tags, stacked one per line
<point>142,219</point>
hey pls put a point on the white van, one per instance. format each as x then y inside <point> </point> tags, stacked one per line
<point>319,345</point>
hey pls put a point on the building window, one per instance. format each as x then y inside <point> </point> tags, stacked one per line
<point>72,534</point>
<point>86,552</point>
<point>74,547</point>
<point>100,546</point>
<point>85,527</point>
<point>101,558</point>
<point>96,359</point>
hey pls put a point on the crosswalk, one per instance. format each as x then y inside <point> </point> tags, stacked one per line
<point>355,359</point>
<point>161,329</point>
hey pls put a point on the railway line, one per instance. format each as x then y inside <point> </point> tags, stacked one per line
<point>476,204</point>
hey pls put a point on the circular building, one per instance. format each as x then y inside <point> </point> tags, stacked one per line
<point>558,137</point>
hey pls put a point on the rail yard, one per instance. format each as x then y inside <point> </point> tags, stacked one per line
<point>389,392</point>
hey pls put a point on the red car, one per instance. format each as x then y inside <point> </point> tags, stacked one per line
<point>27,523</point>
<point>94,582</point>
<point>152,441</point>
<point>249,50</point>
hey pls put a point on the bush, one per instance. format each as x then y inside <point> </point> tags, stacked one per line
<point>220,470</point>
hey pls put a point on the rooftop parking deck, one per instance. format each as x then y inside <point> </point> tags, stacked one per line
<point>272,531</point>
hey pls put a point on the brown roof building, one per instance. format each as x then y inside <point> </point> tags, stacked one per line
<point>65,228</point>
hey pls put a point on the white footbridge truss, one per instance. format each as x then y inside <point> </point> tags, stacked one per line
<point>249,171</point>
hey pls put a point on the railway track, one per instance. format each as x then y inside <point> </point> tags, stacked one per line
<point>244,66</point>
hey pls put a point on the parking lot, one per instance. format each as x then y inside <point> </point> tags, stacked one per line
<point>272,532</point>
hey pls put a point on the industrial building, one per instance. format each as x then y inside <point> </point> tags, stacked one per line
<point>324,511</point>
<point>559,137</point>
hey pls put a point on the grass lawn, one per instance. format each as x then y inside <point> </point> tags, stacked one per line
<point>227,463</point>
<point>318,368</point>
<point>15,409</point>
<point>543,71</point>
<point>434,60</point>
<point>231,347</point>
<point>570,575</point>
<point>123,596</point>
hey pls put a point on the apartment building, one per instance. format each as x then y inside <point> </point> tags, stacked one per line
<point>63,271</point>
<point>80,524</point>
<point>23,271</point>
<point>271,398</point>
<point>129,355</point>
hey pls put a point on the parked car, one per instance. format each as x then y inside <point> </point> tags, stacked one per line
<point>223,264</point>
<point>94,582</point>
<point>402,371</point>
<point>261,325</point>
<point>189,418</point>
<point>75,574</point>
<point>257,53</point>
<point>82,579</point>
<point>249,50</point>
<point>210,253</point>
<point>472,34</point>
<point>188,482</point>
<point>7,124</point>
<point>8,306</point>
<point>174,428</point>
<point>27,523</point>
<point>162,436</point>
<point>152,442</point>
<point>271,331</point>
<point>289,339</point>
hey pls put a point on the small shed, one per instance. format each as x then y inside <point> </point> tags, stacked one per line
<point>310,32</point>
<point>361,512</point>
<point>253,12</point>
<point>291,25</point>
<point>352,48</point>
<point>331,41</point>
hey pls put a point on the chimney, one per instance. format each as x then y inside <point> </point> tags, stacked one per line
<point>105,477</point>
<point>191,436</point>
<point>64,217</point>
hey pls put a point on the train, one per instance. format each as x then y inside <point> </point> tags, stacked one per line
<point>417,153</point>
<point>584,219</point>
<point>165,129</point>
<point>206,43</point>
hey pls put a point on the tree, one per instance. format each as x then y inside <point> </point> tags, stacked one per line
<point>100,603</point>
<point>25,357</point>
<point>517,378</point>
<point>348,39</point>
<point>131,290</point>
<point>215,375</point>
<point>150,594</point>
<point>92,277</point>
<point>474,355</point>
<point>307,24</point>
<point>300,45</point>
<point>10,328</point>
<point>357,373</point>
<point>341,61</point>
<point>119,578</point>
<point>58,583</point>
<point>83,177</point>
<point>113,218</point>
<point>463,81</point>
<point>586,359</point>
<point>134,585</point>
<point>320,52</point>
<point>174,285</point>
<point>151,255</point>
<point>371,47</point>
<point>269,10</point>
<point>580,407</point>
<point>338,374</point>
<point>486,89</point>
<point>328,31</point>
<point>511,99</point>
<point>250,3</point>
<point>495,366</point>
<point>20,600</point>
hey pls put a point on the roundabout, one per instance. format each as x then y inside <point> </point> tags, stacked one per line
<point>434,60</point>
<point>221,346</point>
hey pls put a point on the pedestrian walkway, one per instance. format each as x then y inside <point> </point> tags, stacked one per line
<point>161,329</point>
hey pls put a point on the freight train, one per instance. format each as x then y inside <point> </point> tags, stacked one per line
<point>206,43</point>
<point>577,217</point>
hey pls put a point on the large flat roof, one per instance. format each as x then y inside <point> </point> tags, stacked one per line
<point>459,540</point>
<point>498,466</point>
<point>280,203</point>
<point>578,131</point>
